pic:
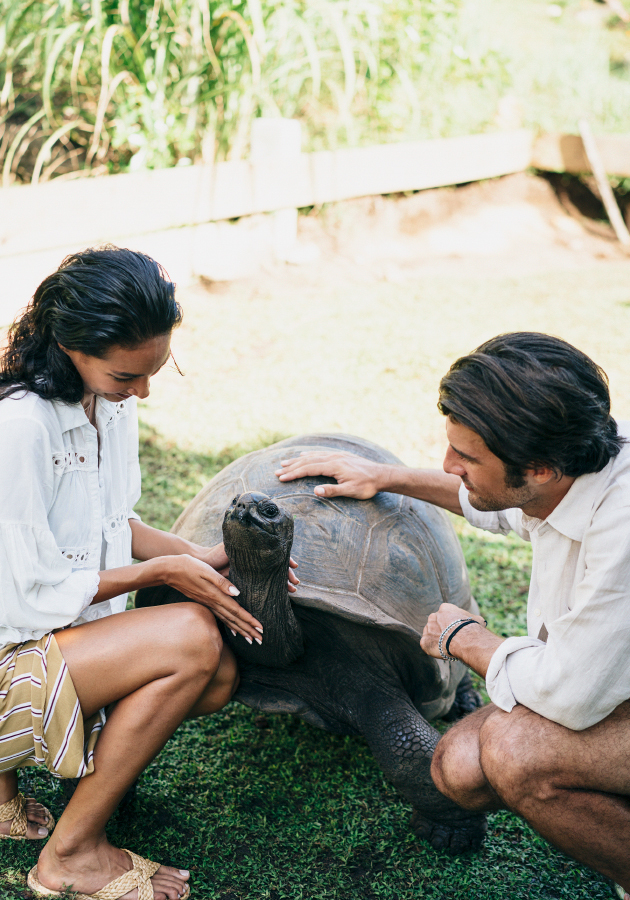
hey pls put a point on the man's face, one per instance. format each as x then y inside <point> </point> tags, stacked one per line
<point>483,473</point>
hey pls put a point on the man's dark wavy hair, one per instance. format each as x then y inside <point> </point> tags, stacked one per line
<point>536,401</point>
<point>97,299</point>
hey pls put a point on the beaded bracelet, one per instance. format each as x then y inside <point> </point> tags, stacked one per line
<point>445,632</point>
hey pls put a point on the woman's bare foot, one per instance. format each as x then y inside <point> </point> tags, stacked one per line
<point>35,813</point>
<point>89,869</point>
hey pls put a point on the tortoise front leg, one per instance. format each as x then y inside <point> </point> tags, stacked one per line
<point>403,743</point>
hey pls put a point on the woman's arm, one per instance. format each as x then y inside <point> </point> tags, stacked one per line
<point>193,577</point>
<point>148,542</point>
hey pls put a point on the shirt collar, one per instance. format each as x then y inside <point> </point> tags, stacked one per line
<point>572,515</point>
<point>70,415</point>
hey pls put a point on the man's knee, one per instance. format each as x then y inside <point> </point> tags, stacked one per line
<point>516,760</point>
<point>455,768</point>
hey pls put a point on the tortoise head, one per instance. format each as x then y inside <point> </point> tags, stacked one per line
<point>257,532</point>
<point>258,535</point>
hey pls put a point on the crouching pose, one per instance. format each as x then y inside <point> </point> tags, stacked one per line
<point>86,347</point>
<point>533,449</point>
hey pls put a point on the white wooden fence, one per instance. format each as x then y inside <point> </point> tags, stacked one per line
<point>180,215</point>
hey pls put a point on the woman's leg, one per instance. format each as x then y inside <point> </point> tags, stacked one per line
<point>34,811</point>
<point>156,663</point>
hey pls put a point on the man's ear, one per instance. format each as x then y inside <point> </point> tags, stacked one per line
<point>543,474</point>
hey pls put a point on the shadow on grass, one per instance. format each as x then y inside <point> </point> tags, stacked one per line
<point>270,808</point>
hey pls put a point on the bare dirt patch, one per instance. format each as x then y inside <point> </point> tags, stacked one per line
<point>358,341</point>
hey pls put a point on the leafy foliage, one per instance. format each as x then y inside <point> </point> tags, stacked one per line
<point>103,85</point>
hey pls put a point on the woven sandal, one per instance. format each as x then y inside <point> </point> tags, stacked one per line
<point>16,809</point>
<point>139,876</point>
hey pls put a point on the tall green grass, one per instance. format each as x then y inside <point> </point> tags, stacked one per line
<point>105,85</point>
<point>91,86</point>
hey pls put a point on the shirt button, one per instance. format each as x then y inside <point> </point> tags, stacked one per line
<point>536,612</point>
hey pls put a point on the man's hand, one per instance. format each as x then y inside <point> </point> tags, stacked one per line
<point>473,645</point>
<point>355,476</point>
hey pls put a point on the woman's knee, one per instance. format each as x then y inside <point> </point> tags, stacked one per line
<point>195,639</point>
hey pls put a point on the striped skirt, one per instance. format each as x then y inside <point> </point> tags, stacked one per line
<point>40,717</point>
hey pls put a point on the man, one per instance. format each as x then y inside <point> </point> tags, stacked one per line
<point>533,449</point>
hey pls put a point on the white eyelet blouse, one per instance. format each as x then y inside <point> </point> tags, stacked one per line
<point>64,515</point>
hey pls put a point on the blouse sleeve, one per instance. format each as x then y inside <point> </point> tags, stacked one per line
<point>38,589</point>
<point>134,476</point>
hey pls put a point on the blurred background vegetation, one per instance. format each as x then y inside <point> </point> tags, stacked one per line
<point>111,85</point>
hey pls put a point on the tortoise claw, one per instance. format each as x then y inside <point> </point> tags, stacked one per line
<point>463,836</point>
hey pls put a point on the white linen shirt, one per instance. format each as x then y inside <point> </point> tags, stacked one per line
<point>60,508</point>
<point>576,669</point>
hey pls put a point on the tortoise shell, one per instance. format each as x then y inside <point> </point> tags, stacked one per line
<point>387,562</point>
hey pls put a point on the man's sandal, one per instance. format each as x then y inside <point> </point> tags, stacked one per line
<point>619,892</point>
<point>16,810</point>
<point>139,876</point>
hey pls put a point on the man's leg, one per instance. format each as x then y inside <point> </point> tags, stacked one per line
<point>571,786</point>
<point>456,765</point>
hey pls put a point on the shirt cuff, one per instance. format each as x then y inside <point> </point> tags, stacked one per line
<point>133,515</point>
<point>488,521</point>
<point>91,588</point>
<point>497,679</point>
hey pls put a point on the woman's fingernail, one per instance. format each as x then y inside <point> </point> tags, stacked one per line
<point>42,831</point>
<point>247,638</point>
<point>233,632</point>
<point>259,629</point>
<point>234,591</point>
<point>184,872</point>
<point>258,641</point>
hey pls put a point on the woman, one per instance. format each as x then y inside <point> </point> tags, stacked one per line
<point>85,348</point>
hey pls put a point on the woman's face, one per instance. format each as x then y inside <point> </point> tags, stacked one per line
<point>124,371</point>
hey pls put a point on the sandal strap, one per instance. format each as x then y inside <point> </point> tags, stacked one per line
<point>16,810</point>
<point>139,876</point>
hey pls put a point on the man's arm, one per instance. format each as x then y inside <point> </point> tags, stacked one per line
<point>361,478</point>
<point>473,644</point>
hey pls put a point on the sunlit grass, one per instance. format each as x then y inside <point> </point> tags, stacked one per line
<point>269,808</point>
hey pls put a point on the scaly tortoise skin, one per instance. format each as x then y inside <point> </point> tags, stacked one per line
<point>371,572</point>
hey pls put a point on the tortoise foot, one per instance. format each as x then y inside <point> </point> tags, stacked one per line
<point>467,700</point>
<point>462,836</point>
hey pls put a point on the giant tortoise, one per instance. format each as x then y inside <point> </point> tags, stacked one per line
<point>343,652</point>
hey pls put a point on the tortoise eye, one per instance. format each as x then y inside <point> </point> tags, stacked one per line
<point>268,509</point>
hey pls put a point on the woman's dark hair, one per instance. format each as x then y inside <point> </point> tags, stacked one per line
<point>536,401</point>
<point>97,299</point>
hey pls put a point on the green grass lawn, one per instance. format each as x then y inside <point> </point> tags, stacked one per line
<point>274,808</point>
<point>269,808</point>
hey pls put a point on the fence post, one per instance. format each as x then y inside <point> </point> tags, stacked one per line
<point>281,139</point>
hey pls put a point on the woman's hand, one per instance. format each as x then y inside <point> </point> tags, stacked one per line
<point>217,558</point>
<point>202,583</point>
<point>355,476</point>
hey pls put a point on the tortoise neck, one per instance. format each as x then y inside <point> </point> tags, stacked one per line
<point>264,594</point>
